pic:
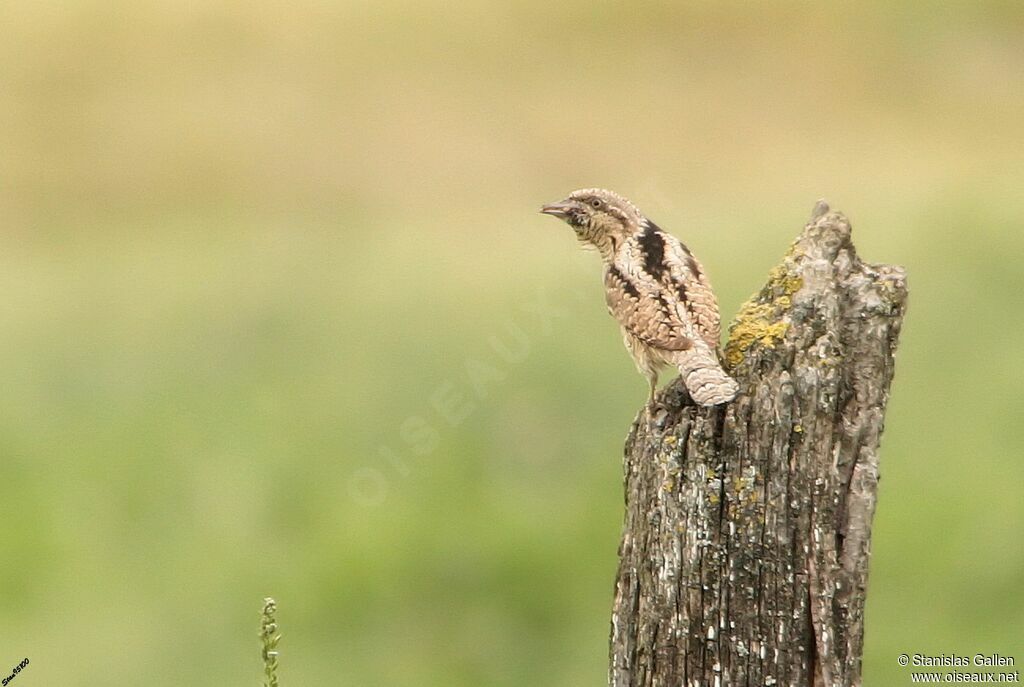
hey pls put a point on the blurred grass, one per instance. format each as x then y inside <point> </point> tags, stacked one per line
<point>243,245</point>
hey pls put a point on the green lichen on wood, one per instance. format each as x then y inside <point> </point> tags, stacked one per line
<point>761,320</point>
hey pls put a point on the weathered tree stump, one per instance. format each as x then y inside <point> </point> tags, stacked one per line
<point>744,554</point>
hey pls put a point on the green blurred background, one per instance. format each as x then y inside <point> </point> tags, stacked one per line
<point>280,317</point>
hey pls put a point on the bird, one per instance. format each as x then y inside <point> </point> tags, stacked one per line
<point>657,291</point>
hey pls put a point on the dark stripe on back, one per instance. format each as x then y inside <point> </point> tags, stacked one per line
<point>652,243</point>
<point>627,285</point>
<point>682,343</point>
<point>681,291</point>
<point>666,307</point>
<point>692,264</point>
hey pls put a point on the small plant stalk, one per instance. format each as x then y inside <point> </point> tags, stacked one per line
<point>269,638</point>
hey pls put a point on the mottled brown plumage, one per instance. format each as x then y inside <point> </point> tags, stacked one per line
<point>656,289</point>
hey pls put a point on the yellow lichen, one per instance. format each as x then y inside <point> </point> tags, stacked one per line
<point>761,320</point>
<point>783,281</point>
<point>755,323</point>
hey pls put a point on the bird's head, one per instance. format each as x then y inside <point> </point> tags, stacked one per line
<point>600,218</point>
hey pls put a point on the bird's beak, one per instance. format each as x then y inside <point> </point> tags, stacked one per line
<point>561,209</point>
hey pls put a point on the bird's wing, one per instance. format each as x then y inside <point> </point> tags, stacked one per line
<point>685,277</point>
<point>644,311</point>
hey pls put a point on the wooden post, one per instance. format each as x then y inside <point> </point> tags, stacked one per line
<point>744,554</point>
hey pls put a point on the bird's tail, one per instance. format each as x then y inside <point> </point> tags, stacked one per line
<point>704,377</point>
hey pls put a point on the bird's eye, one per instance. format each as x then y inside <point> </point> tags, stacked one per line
<point>596,202</point>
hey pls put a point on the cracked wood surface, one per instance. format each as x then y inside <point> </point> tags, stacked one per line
<point>744,554</point>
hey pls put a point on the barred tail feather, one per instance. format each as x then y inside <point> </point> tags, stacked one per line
<point>704,377</point>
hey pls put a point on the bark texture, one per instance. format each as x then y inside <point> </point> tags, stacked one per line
<point>744,554</point>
